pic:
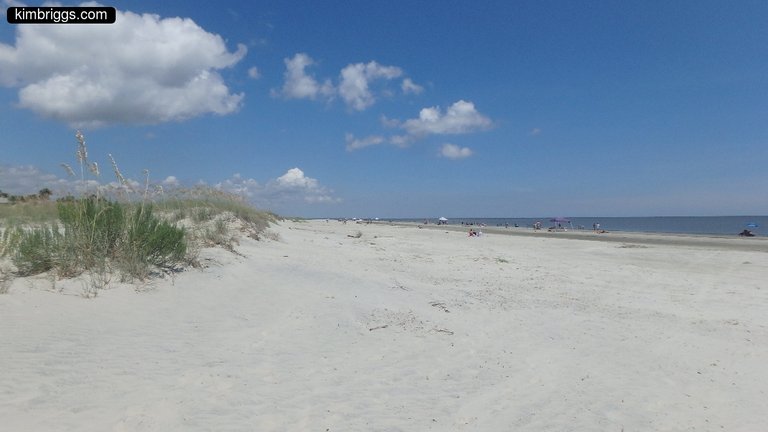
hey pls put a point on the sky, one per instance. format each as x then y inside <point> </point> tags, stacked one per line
<point>403,109</point>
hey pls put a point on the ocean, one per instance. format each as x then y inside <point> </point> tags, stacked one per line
<point>713,225</point>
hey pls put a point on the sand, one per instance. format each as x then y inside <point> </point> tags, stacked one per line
<point>402,329</point>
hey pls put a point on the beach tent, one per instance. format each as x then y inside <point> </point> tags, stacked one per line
<point>442,221</point>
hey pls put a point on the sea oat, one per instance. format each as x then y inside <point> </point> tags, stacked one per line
<point>119,175</point>
<point>82,150</point>
<point>68,169</point>
<point>146,183</point>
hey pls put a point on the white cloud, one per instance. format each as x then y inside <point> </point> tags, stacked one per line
<point>401,140</point>
<point>28,179</point>
<point>388,122</point>
<point>294,185</point>
<point>409,87</point>
<point>534,132</point>
<point>299,85</point>
<point>294,178</point>
<point>452,151</point>
<point>461,117</point>
<point>142,69</point>
<point>247,188</point>
<point>354,85</point>
<point>25,179</point>
<point>171,181</point>
<point>358,143</point>
<point>355,82</point>
<point>254,73</point>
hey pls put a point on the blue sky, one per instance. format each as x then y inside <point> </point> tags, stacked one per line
<point>402,108</point>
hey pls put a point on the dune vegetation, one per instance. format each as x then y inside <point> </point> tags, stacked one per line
<point>123,227</point>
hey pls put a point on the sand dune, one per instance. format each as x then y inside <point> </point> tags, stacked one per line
<point>402,329</point>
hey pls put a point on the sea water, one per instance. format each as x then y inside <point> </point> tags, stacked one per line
<point>717,225</point>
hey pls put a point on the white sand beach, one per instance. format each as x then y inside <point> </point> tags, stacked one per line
<point>402,329</point>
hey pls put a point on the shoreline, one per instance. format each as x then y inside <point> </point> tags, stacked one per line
<point>712,241</point>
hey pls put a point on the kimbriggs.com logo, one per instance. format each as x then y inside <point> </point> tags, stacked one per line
<point>61,15</point>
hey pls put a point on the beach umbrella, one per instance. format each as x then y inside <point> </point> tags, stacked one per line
<point>442,219</point>
<point>561,220</point>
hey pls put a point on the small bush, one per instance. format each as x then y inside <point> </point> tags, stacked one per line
<point>178,215</point>
<point>218,235</point>
<point>93,232</point>
<point>153,241</point>
<point>203,214</point>
<point>93,228</point>
<point>9,241</point>
<point>36,250</point>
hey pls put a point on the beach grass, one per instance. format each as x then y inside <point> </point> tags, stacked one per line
<point>121,229</point>
<point>28,213</point>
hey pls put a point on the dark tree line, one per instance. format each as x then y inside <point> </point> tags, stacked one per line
<point>42,195</point>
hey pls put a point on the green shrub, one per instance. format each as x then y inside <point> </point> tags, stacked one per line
<point>93,232</point>
<point>154,242</point>
<point>9,240</point>
<point>36,251</point>
<point>203,214</point>
<point>93,227</point>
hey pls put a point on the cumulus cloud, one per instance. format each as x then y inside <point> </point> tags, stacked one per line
<point>358,143</point>
<point>26,179</point>
<point>294,185</point>
<point>452,151</point>
<point>354,84</point>
<point>459,118</point>
<point>245,187</point>
<point>170,181</point>
<point>409,87</point>
<point>298,84</point>
<point>294,178</point>
<point>142,69</point>
<point>294,181</point>
<point>356,79</point>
